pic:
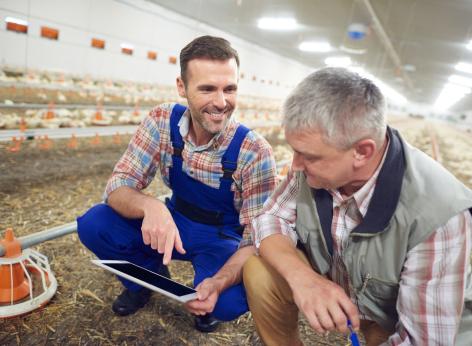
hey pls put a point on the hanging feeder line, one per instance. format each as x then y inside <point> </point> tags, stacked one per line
<point>37,238</point>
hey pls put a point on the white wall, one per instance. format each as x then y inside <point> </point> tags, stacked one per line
<point>144,25</point>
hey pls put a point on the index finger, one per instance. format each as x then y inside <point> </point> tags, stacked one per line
<point>169,247</point>
<point>351,313</point>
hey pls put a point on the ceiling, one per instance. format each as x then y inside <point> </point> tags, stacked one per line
<point>428,37</point>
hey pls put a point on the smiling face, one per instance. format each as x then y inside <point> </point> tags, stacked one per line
<point>211,92</point>
<point>325,166</point>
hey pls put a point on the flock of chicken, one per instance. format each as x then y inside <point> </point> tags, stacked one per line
<point>51,100</point>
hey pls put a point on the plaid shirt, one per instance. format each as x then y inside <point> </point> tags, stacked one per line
<point>430,298</point>
<point>150,150</point>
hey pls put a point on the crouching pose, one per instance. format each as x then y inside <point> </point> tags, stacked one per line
<point>220,174</point>
<point>365,228</point>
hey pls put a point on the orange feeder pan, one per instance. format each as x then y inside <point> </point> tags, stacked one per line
<point>20,270</point>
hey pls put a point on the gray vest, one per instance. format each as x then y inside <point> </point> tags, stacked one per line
<point>414,196</point>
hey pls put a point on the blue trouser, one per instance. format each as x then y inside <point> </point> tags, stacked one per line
<point>111,236</point>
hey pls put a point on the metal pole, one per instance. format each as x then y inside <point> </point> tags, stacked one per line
<point>387,43</point>
<point>36,238</point>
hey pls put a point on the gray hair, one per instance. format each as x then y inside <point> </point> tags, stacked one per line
<point>341,104</point>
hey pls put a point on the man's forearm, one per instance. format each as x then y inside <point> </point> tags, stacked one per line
<point>129,202</point>
<point>231,273</point>
<point>278,251</point>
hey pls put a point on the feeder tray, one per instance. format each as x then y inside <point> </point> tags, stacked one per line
<point>26,279</point>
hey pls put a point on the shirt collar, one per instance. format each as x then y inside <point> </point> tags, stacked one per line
<point>364,194</point>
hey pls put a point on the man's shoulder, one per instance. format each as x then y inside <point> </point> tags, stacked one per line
<point>162,111</point>
<point>255,141</point>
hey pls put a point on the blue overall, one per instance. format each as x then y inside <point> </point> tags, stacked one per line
<point>206,219</point>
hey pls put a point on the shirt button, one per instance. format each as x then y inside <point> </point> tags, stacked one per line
<point>191,172</point>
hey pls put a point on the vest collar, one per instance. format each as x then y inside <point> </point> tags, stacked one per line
<point>384,200</point>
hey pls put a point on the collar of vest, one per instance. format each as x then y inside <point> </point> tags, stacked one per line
<point>384,200</point>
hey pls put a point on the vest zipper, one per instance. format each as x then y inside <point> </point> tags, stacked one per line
<point>364,284</point>
<point>330,258</point>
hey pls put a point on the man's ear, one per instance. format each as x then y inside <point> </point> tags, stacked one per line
<point>364,150</point>
<point>181,87</point>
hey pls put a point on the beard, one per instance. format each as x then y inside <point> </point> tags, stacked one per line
<point>213,128</point>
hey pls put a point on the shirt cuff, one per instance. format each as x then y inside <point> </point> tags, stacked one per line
<point>116,182</point>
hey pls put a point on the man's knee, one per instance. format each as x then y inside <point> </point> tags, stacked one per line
<point>90,224</point>
<point>264,285</point>
<point>257,279</point>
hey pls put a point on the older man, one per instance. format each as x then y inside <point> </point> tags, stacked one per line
<point>383,231</point>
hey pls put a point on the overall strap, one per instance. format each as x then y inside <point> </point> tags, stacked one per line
<point>175,137</point>
<point>229,161</point>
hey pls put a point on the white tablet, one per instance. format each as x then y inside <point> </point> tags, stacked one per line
<point>149,279</point>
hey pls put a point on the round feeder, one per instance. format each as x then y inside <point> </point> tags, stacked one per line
<point>26,279</point>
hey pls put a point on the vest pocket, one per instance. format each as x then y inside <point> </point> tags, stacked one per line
<point>310,239</point>
<point>380,297</point>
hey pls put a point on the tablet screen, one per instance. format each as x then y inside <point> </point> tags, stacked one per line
<point>152,278</point>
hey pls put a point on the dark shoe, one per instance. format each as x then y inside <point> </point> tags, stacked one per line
<point>129,302</point>
<point>206,323</point>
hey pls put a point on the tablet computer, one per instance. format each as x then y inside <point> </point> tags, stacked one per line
<point>149,279</point>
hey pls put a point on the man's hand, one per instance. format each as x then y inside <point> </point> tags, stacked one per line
<point>324,303</point>
<point>159,230</point>
<point>207,296</point>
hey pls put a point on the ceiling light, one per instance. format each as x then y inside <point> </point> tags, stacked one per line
<point>279,24</point>
<point>450,94</point>
<point>386,89</point>
<point>338,61</point>
<point>464,67</point>
<point>314,46</point>
<point>409,68</point>
<point>469,46</point>
<point>352,50</point>
<point>16,21</point>
<point>464,81</point>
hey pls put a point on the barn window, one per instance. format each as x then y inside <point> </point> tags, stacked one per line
<point>17,25</point>
<point>50,33</point>
<point>151,55</point>
<point>99,44</point>
<point>127,49</point>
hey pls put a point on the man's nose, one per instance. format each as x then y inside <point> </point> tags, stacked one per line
<point>219,101</point>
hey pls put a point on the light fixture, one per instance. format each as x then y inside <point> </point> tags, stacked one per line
<point>469,45</point>
<point>315,46</point>
<point>464,67</point>
<point>450,94</point>
<point>460,80</point>
<point>338,61</point>
<point>409,68</point>
<point>352,50</point>
<point>386,89</point>
<point>277,24</point>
